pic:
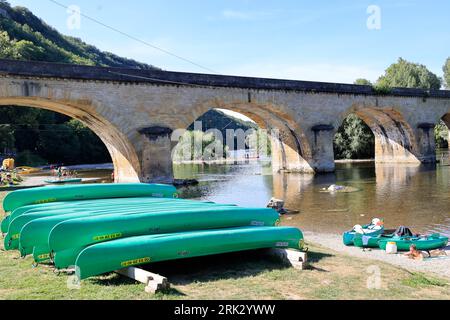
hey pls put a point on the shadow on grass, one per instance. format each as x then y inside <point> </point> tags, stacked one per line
<point>314,257</point>
<point>204,269</point>
<point>218,267</point>
<point>115,280</point>
<point>212,268</point>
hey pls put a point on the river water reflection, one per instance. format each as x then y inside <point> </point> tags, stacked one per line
<point>411,195</point>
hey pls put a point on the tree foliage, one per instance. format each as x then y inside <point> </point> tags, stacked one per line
<point>441,133</point>
<point>199,146</point>
<point>44,43</point>
<point>447,73</point>
<point>354,140</point>
<point>38,136</point>
<point>408,75</point>
<point>363,82</point>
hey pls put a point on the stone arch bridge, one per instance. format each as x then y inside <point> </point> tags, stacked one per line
<point>134,113</point>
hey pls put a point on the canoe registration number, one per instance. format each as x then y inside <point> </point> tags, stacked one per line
<point>108,237</point>
<point>130,263</point>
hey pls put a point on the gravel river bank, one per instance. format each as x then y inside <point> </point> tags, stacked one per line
<point>438,266</point>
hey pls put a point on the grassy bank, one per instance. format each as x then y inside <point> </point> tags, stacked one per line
<point>236,276</point>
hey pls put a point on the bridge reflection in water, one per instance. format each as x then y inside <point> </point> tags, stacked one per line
<point>414,195</point>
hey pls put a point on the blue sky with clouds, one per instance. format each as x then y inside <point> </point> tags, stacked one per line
<point>293,39</point>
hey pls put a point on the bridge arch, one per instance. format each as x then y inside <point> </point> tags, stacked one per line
<point>291,151</point>
<point>395,139</point>
<point>123,155</point>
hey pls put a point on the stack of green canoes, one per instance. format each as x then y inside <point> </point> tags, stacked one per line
<point>105,227</point>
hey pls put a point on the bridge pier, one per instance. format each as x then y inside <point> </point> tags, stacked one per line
<point>322,148</point>
<point>156,155</point>
<point>426,143</point>
<point>287,155</point>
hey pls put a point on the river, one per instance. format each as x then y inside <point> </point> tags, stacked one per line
<point>411,195</point>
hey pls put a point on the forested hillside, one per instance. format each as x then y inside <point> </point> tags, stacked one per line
<point>35,136</point>
<point>38,137</point>
<point>25,36</point>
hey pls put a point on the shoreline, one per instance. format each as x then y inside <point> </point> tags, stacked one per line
<point>437,266</point>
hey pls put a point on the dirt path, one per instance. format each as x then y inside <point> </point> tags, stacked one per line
<point>438,266</point>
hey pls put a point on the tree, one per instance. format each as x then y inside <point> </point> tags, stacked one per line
<point>363,82</point>
<point>199,146</point>
<point>441,134</point>
<point>408,75</point>
<point>7,48</point>
<point>38,136</point>
<point>354,140</point>
<point>447,73</point>
<point>6,139</point>
<point>412,75</point>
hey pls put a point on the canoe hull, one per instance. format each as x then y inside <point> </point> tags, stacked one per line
<point>86,205</point>
<point>50,194</point>
<point>109,256</point>
<point>36,232</point>
<point>66,236</point>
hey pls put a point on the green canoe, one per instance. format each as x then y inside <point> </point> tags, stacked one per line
<point>31,230</point>
<point>77,206</point>
<point>114,255</point>
<point>67,238</point>
<point>11,240</point>
<point>422,243</point>
<point>48,194</point>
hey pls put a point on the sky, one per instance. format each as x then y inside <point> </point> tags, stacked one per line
<point>331,41</point>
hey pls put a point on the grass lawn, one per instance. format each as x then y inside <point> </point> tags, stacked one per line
<point>235,276</point>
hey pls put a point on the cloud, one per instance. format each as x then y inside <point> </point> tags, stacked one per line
<point>245,16</point>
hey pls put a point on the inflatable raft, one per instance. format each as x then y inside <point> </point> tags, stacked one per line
<point>422,243</point>
<point>404,238</point>
<point>114,255</point>
<point>375,228</point>
<point>48,194</point>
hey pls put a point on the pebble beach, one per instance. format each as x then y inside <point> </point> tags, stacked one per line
<point>439,266</point>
